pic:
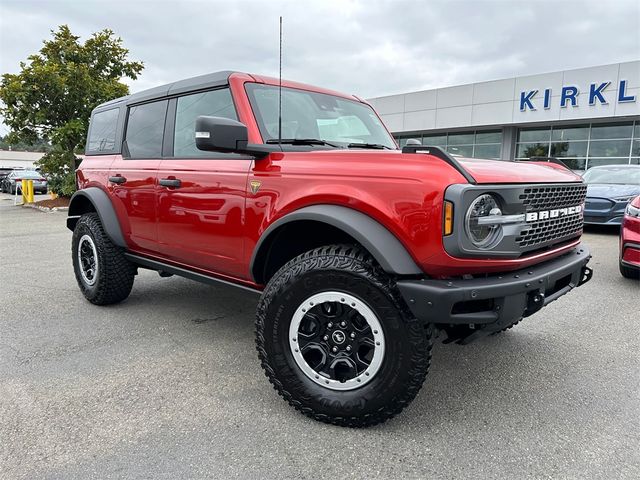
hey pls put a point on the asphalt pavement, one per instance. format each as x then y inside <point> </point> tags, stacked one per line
<point>168,384</point>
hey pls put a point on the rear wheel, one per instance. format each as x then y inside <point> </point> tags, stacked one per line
<point>336,340</point>
<point>104,275</point>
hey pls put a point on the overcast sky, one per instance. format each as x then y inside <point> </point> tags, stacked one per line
<point>366,47</point>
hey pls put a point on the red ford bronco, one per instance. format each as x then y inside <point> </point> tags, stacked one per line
<point>360,252</point>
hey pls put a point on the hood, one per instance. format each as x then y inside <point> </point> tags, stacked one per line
<point>500,171</point>
<point>611,190</point>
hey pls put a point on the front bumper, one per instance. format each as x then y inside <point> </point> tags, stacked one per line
<point>601,211</point>
<point>493,302</point>
<point>630,255</point>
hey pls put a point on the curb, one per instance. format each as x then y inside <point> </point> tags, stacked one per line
<point>45,209</point>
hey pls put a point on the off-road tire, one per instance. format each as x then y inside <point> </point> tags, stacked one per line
<point>628,272</point>
<point>115,273</point>
<point>408,341</point>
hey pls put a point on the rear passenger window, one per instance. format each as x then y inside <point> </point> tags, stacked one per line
<point>216,103</point>
<point>102,131</point>
<point>145,128</point>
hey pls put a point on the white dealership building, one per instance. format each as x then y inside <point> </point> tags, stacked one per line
<point>586,117</point>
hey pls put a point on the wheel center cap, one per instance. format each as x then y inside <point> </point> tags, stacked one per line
<point>338,337</point>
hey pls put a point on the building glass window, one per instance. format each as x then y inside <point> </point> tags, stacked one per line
<point>462,150</point>
<point>569,149</point>
<point>620,130</point>
<point>609,148</point>
<point>435,140</point>
<point>570,133</point>
<point>534,135</point>
<point>528,150</point>
<point>475,144</point>
<point>460,139</point>
<point>582,146</point>
<point>487,151</point>
<point>489,137</point>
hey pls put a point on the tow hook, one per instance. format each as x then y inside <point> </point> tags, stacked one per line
<point>586,275</point>
<point>535,301</point>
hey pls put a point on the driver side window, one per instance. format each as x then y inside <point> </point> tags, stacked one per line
<point>215,103</point>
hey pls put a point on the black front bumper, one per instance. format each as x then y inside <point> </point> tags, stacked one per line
<point>493,302</point>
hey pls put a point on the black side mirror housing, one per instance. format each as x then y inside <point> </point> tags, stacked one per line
<point>218,134</point>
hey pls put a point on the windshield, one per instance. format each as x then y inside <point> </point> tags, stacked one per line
<point>618,175</point>
<point>311,115</point>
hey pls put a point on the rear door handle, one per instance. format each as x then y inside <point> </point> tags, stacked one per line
<point>117,179</point>
<point>170,182</point>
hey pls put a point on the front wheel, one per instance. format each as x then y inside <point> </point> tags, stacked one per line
<point>336,340</point>
<point>103,273</point>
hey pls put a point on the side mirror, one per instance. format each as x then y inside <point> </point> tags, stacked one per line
<point>218,134</point>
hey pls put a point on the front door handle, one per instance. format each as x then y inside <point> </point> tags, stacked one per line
<point>170,182</point>
<point>117,179</point>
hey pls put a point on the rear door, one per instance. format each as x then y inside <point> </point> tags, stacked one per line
<point>201,195</point>
<point>132,177</point>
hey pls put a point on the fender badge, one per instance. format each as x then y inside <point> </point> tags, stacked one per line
<point>255,186</point>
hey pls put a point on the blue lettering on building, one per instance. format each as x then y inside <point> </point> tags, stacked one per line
<point>570,94</point>
<point>622,93</point>
<point>547,99</point>
<point>597,93</point>
<point>525,100</point>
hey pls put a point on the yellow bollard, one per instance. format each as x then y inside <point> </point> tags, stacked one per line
<point>23,190</point>
<point>30,192</point>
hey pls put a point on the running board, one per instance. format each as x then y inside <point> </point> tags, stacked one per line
<point>183,272</point>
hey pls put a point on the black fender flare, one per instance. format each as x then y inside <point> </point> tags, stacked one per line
<point>383,245</point>
<point>103,206</point>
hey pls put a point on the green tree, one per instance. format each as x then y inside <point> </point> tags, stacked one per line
<point>53,95</point>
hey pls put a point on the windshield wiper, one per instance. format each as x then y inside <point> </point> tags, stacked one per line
<point>302,141</point>
<point>377,146</point>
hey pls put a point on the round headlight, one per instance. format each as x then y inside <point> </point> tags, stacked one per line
<point>482,235</point>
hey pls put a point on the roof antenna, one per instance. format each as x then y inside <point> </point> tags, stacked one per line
<point>280,91</point>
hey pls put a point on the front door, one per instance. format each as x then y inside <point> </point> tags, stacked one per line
<point>201,195</point>
<point>201,212</point>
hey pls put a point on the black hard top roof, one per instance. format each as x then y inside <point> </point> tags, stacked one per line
<point>200,82</point>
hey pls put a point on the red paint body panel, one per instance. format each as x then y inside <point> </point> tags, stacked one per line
<point>496,171</point>
<point>202,222</point>
<point>135,201</point>
<point>213,222</point>
<point>630,234</point>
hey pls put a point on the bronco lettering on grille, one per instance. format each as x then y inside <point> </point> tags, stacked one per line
<point>555,213</point>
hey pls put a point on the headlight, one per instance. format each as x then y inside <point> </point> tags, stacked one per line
<point>482,235</point>
<point>632,211</point>
<point>624,198</point>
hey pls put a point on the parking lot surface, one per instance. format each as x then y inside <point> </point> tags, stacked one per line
<point>168,385</point>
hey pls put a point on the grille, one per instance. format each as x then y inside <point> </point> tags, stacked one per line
<point>552,230</point>
<point>554,196</point>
